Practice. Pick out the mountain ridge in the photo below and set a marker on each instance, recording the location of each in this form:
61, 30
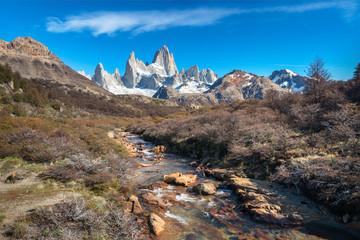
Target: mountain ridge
33, 60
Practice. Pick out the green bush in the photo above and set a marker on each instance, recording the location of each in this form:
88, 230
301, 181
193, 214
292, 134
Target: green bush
6, 75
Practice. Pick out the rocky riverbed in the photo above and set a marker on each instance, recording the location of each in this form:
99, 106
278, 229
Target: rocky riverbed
174, 201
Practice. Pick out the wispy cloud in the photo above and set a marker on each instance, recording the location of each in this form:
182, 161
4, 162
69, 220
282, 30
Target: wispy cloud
145, 21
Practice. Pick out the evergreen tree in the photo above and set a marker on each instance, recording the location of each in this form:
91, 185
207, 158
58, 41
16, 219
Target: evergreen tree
357, 73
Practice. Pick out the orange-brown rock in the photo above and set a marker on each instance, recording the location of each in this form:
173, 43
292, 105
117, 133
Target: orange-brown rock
155, 185
136, 206
205, 188
158, 149
153, 200
180, 179
145, 165
157, 224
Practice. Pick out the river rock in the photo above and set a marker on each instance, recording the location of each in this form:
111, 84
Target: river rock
136, 207
152, 199
145, 165
155, 185
206, 188
158, 149
257, 203
346, 218
156, 224
194, 164
180, 179
295, 217
220, 174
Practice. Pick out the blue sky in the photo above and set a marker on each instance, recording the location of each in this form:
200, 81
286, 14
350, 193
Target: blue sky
254, 36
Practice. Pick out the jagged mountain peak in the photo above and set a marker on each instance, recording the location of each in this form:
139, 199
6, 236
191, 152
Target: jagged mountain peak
105, 79
132, 57
163, 58
99, 67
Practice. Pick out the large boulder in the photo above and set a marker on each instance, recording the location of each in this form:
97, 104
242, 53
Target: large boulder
206, 188
152, 199
180, 179
156, 224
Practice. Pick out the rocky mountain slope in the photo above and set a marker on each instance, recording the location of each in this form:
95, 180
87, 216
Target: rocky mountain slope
32, 59
146, 79
290, 80
237, 85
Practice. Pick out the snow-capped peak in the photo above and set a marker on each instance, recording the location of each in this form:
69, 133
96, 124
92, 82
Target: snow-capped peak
289, 79
291, 73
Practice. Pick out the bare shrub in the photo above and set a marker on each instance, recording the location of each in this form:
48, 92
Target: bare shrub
332, 181
80, 218
36, 147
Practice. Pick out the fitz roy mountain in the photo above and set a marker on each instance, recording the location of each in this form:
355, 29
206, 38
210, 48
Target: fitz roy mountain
146, 79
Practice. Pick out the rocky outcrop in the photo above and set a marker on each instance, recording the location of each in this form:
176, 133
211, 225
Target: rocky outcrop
180, 179
205, 188
27, 46
157, 224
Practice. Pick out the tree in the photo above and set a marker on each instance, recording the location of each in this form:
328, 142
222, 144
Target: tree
357, 73
317, 70
319, 75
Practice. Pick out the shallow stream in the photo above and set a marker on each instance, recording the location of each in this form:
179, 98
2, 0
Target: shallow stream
208, 217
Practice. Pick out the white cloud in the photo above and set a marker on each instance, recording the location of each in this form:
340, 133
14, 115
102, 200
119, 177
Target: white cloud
137, 22
145, 21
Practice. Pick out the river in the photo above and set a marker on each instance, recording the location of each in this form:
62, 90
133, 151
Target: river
191, 217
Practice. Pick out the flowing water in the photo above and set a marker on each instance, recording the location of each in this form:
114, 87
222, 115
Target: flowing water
203, 217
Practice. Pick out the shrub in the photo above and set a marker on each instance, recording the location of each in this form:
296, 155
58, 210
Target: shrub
80, 218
